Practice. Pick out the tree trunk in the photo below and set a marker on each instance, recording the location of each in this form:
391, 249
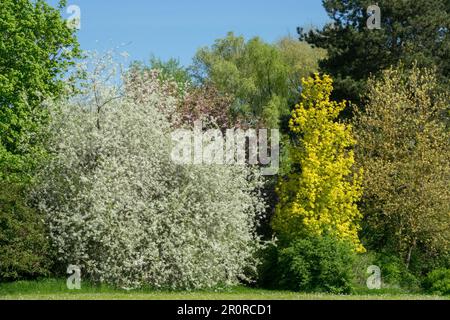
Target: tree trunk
408, 258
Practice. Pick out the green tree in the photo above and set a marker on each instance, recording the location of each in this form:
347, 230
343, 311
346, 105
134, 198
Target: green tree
170, 70
302, 60
404, 149
23, 244
36, 48
411, 30
263, 78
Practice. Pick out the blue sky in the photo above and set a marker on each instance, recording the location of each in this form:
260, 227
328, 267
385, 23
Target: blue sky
177, 28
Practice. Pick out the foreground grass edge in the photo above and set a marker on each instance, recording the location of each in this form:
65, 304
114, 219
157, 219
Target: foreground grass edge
55, 289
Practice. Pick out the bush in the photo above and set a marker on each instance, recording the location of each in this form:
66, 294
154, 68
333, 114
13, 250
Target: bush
23, 243
438, 282
395, 274
126, 214
321, 264
267, 271
360, 264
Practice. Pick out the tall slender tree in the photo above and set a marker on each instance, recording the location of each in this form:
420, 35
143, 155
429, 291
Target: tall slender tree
319, 195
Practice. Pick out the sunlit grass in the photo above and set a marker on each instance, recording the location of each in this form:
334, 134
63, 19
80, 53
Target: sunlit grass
54, 289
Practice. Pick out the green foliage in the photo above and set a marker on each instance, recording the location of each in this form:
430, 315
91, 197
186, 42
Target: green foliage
24, 247
360, 264
263, 78
319, 195
403, 148
395, 274
36, 48
438, 282
170, 70
268, 274
319, 264
411, 30
302, 60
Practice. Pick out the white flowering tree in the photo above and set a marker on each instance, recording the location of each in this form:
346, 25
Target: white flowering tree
120, 209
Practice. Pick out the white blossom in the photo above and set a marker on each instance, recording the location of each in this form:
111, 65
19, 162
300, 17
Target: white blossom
118, 207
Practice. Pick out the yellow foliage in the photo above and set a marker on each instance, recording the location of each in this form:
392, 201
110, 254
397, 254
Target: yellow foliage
320, 196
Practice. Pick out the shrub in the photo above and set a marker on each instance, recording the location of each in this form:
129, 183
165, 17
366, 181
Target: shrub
438, 282
316, 264
268, 269
360, 265
23, 243
120, 209
394, 272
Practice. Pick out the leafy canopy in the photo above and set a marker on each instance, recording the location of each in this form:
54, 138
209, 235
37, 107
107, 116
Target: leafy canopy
262, 77
36, 48
403, 147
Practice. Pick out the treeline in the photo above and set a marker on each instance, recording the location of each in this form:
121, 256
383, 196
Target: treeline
86, 176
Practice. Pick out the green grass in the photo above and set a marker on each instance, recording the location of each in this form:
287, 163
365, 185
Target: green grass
53, 289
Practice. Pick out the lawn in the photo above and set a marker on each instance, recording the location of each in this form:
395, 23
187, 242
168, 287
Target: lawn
56, 290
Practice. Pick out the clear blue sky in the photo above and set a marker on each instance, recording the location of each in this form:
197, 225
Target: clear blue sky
176, 28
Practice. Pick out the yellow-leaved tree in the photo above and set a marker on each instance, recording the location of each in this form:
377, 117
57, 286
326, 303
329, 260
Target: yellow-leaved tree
319, 194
